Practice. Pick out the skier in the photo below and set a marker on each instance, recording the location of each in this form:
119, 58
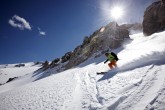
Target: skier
112, 57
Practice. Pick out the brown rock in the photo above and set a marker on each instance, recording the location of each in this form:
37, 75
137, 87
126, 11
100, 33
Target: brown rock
154, 18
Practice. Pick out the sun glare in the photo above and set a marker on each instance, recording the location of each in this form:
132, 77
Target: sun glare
116, 12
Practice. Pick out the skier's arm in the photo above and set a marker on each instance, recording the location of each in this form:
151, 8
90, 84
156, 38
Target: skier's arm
106, 61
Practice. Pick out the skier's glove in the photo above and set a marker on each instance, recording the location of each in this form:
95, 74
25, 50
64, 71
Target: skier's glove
106, 61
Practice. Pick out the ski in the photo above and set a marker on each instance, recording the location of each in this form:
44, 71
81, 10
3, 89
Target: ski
101, 73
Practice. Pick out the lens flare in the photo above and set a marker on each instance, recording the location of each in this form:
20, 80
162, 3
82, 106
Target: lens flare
117, 12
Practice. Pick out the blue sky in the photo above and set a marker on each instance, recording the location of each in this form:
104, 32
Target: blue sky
39, 30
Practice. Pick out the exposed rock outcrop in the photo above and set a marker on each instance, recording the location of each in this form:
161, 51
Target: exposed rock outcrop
133, 28
11, 79
45, 65
20, 65
54, 62
66, 57
154, 18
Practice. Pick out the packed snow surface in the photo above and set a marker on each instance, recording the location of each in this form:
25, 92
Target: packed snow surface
137, 84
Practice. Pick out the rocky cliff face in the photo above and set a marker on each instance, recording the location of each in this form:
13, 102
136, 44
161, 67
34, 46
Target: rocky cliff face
110, 36
107, 37
154, 18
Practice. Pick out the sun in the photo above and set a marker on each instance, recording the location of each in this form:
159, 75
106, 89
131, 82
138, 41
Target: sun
116, 12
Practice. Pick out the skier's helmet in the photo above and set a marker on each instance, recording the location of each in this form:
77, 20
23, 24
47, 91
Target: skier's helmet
106, 54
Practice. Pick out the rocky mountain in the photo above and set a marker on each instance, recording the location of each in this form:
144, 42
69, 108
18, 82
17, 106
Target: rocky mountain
154, 18
107, 37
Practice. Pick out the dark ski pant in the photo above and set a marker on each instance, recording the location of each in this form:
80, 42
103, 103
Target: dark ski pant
112, 64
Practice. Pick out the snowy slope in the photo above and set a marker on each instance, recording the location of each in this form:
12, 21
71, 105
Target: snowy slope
137, 84
11, 71
18, 73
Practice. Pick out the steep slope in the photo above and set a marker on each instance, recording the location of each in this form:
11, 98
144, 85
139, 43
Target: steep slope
137, 84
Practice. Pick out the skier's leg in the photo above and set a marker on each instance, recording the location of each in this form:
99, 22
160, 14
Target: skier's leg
114, 63
110, 65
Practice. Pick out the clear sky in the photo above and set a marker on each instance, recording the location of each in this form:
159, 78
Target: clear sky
39, 30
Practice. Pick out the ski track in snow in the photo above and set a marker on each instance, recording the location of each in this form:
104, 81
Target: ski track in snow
158, 102
140, 86
148, 87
